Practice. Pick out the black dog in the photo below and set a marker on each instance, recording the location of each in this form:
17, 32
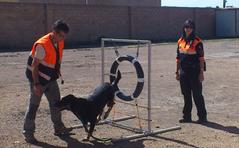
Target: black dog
88, 109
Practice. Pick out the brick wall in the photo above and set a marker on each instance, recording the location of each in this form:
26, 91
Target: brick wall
22, 24
152, 3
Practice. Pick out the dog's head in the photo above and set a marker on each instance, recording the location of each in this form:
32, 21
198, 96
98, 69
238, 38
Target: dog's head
110, 101
65, 102
110, 97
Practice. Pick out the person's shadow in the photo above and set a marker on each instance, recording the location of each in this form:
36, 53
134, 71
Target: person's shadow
175, 141
209, 124
71, 143
229, 129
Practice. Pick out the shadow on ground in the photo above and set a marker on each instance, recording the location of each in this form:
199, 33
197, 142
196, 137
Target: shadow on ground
217, 126
73, 143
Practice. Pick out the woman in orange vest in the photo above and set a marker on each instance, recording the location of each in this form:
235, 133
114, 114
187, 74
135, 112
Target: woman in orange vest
43, 69
190, 72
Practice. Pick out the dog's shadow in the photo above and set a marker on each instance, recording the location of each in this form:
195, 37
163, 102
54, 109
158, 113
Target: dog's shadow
46, 145
72, 142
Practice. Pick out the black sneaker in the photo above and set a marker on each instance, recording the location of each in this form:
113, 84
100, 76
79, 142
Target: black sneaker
202, 120
185, 120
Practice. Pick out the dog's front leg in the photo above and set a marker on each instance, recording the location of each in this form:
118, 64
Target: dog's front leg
86, 128
92, 126
99, 117
107, 112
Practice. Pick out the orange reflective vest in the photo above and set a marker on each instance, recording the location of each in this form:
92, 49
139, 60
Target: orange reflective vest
47, 67
187, 53
188, 48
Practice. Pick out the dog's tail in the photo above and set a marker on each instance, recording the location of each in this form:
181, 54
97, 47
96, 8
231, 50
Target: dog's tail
118, 77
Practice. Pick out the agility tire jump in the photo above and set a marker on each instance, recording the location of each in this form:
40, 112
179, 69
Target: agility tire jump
140, 77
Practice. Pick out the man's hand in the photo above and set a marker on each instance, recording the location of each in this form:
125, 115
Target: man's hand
201, 77
37, 89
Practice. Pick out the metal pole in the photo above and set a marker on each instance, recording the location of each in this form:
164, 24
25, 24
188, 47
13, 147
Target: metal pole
224, 3
108, 121
122, 126
102, 61
149, 87
147, 134
126, 40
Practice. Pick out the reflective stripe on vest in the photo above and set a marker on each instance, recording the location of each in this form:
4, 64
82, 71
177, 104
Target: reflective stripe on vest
188, 48
40, 73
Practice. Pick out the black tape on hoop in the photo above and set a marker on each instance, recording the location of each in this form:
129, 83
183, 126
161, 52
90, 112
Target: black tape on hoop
140, 77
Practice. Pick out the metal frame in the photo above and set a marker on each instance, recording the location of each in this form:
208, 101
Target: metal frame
142, 133
149, 67
139, 132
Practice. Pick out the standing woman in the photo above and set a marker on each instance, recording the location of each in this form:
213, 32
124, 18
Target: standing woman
189, 71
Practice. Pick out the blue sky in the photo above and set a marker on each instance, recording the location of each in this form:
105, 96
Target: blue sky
199, 3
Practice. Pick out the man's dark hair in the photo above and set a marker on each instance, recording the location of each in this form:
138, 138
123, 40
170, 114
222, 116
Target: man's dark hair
60, 25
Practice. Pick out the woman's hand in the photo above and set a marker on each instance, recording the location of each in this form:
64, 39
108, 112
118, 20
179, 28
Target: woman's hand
201, 77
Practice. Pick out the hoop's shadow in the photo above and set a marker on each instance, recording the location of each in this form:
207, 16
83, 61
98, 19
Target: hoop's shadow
73, 143
175, 141
229, 129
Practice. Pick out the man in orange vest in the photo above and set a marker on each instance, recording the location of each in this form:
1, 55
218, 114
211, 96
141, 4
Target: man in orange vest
43, 69
189, 71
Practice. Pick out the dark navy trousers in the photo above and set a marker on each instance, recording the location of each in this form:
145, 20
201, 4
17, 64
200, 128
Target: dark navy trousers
191, 87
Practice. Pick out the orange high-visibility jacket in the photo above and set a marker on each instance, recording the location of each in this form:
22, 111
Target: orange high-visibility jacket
189, 48
188, 55
47, 67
